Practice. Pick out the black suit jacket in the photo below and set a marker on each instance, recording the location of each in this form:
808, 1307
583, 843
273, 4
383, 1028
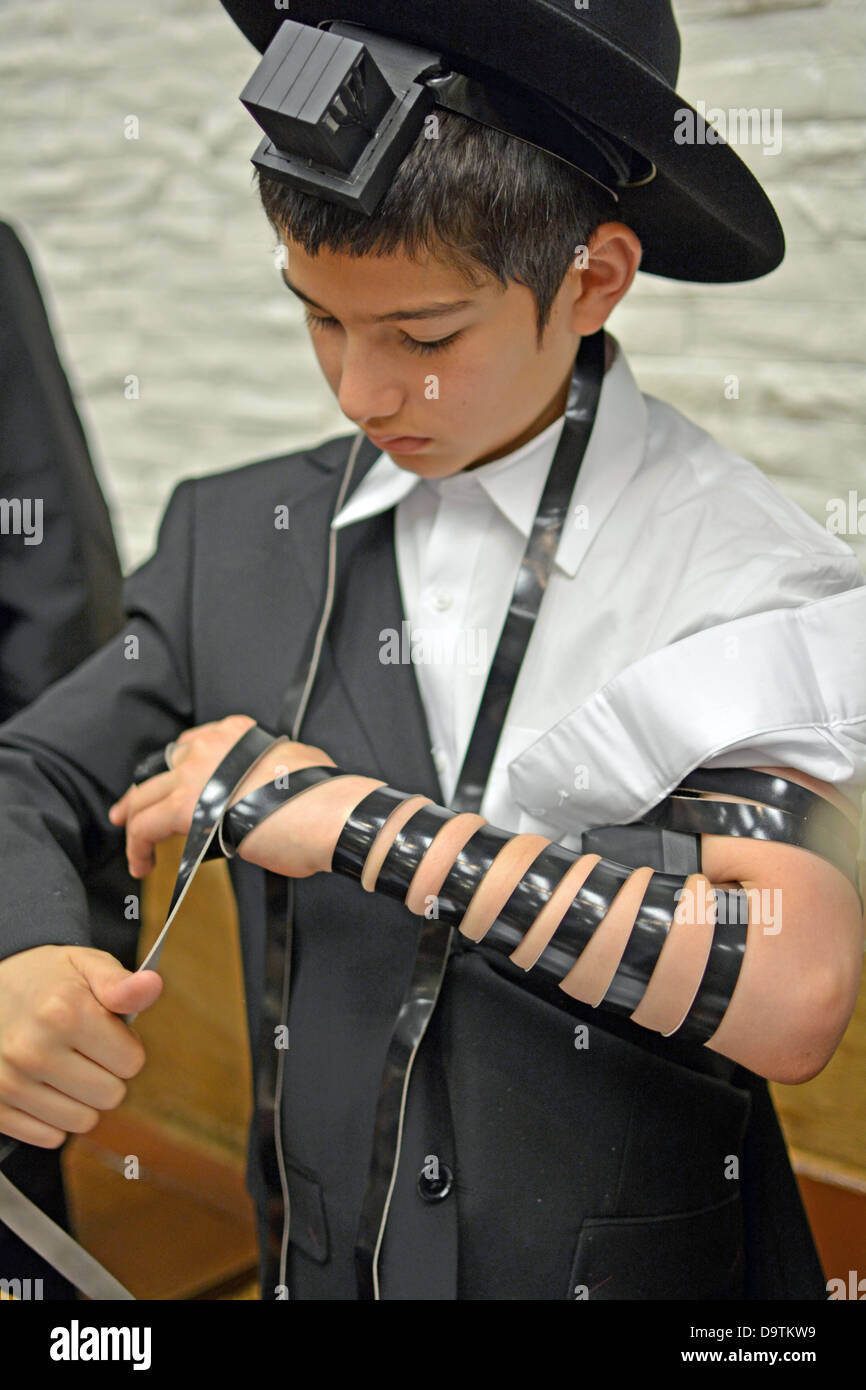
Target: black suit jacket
604, 1169
59, 601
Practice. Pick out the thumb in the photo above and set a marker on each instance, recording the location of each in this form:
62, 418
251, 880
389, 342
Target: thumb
119, 990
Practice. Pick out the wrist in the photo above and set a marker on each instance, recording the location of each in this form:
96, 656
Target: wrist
271, 769
298, 840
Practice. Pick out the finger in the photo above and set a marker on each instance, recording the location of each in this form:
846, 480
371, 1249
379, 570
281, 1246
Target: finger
140, 794
195, 731
101, 1036
129, 994
43, 1102
145, 793
117, 812
138, 798
29, 1131
80, 1079
146, 829
152, 792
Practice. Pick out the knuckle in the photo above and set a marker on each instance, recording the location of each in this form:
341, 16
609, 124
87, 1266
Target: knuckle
57, 1012
34, 1061
9, 1046
19, 1051
85, 1122
133, 1066
118, 1095
10, 1091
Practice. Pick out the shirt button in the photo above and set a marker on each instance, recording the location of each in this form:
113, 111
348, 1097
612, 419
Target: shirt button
435, 1189
442, 600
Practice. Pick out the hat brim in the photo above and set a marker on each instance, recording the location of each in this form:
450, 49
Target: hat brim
703, 217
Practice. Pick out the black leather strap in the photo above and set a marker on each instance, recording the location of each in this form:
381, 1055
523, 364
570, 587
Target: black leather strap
593, 899
469, 867
436, 936
534, 574
240, 760
795, 815
362, 826
588, 908
722, 969
765, 787
527, 899
263, 801
654, 920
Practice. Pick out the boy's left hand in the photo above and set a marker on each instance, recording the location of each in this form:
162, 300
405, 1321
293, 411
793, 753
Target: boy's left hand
163, 805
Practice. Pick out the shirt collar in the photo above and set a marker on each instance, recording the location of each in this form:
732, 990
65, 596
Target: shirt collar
514, 483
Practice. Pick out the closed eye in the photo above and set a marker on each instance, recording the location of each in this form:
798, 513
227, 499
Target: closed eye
315, 322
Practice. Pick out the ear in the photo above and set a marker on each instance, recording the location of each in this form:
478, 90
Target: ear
614, 254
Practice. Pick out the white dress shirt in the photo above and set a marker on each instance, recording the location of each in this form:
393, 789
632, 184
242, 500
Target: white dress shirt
694, 616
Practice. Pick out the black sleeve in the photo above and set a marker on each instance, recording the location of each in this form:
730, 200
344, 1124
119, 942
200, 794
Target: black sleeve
71, 753
60, 579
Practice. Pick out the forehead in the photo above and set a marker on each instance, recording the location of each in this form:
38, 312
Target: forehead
380, 276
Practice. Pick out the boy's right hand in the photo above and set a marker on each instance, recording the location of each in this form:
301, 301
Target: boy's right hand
64, 1052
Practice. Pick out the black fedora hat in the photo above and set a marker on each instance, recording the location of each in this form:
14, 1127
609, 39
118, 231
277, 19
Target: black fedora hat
609, 70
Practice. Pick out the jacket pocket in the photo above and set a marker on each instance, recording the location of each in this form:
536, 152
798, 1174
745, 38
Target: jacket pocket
307, 1229
688, 1255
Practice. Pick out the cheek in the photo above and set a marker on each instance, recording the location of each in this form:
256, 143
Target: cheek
329, 362
476, 392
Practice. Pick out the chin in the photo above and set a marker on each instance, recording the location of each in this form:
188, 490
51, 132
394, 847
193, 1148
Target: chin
416, 463
438, 469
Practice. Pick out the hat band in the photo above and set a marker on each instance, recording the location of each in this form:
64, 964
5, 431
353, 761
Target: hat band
491, 107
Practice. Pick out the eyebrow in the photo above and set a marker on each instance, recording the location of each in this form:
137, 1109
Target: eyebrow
429, 311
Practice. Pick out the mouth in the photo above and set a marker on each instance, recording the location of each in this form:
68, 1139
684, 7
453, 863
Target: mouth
400, 443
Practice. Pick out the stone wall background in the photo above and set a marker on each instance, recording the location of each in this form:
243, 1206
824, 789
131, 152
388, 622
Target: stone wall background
156, 260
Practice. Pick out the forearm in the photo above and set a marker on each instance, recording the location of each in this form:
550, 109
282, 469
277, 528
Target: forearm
674, 983
629, 940
660, 1005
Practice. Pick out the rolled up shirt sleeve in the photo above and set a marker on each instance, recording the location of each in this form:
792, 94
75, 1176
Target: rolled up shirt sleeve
71, 753
786, 687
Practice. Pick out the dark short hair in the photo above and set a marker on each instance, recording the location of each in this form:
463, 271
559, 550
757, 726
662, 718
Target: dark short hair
472, 197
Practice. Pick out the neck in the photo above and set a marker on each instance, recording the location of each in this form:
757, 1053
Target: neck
552, 411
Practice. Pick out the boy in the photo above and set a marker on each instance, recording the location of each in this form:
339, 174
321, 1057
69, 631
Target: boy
451, 1123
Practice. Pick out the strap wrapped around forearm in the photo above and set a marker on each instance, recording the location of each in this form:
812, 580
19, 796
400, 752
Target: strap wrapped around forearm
588, 908
362, 827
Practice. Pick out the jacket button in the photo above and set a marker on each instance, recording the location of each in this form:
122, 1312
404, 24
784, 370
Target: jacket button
435, 1189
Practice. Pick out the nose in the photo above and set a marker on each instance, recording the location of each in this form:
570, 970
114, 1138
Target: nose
369, 389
